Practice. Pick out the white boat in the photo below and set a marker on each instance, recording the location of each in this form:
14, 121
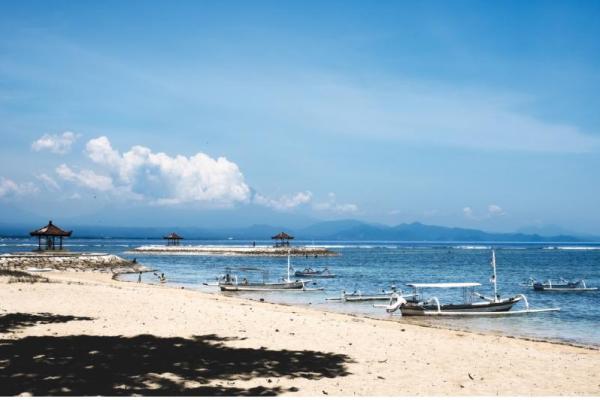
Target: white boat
231, 283
474, 304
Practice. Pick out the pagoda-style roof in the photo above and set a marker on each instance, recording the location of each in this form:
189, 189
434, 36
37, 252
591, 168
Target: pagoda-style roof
173, 236
50, 230
282, 236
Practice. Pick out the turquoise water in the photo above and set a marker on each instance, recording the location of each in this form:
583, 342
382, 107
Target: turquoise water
372, 267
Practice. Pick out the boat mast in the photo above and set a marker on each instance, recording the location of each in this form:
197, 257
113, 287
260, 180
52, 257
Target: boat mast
289, 266
494, 276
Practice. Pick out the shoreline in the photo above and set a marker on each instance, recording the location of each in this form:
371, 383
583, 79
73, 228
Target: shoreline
362, 355
412, 321
433, 325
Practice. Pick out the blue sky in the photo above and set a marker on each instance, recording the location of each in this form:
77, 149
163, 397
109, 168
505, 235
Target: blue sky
475, 114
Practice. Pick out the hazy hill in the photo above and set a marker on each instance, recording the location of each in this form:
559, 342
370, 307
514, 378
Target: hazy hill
331, 230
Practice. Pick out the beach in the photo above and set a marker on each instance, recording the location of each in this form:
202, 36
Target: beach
84, 333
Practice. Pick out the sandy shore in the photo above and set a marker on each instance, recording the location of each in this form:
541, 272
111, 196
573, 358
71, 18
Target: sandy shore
261, 251
100, 336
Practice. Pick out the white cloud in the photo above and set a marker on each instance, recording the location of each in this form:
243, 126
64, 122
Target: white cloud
48, 182
172, 179
285, 202
332, 205
9, 187
495, 210
59, 144
468, 212
430, 213
101, 152
85, 178
163, 179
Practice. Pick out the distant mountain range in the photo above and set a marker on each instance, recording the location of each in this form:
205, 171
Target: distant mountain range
326, 231
356, 230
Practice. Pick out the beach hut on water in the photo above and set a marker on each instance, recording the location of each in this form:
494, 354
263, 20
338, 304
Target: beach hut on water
51, 234
282, 239
173, 239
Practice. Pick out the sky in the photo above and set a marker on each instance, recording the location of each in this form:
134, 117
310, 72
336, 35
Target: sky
466, 113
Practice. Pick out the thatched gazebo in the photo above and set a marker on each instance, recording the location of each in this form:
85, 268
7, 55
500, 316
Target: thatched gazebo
173, 239
282, 239
50, 233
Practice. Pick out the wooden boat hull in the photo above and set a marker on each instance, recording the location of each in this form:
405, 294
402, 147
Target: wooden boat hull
261, 287
419, 309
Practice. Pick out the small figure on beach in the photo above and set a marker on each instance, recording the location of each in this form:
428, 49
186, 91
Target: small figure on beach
244, 281
253, 244
162, 278
134, 261
140, 278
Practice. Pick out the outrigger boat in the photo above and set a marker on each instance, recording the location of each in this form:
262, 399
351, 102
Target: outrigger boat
471, 306
311, 273
231, 283
562, 285
558, 285
358, 296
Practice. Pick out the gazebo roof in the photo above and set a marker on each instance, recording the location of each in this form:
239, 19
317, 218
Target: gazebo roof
173, 236
50, 230
282, 236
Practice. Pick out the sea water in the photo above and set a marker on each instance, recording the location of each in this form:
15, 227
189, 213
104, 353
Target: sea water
372, 267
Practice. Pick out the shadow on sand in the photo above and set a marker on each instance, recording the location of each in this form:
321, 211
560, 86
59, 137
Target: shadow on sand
17, 321
147, 365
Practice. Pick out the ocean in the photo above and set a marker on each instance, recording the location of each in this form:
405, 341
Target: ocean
375, 266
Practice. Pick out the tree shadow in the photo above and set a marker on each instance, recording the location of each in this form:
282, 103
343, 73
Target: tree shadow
148, 365
16, 321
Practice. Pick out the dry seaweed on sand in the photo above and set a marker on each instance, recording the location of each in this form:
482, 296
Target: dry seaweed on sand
17, 276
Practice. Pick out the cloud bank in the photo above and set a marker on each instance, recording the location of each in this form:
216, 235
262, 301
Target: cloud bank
160, 179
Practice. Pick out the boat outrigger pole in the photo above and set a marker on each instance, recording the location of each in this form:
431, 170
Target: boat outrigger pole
494, 276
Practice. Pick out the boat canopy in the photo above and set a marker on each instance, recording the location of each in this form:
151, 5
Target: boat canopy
443, 285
